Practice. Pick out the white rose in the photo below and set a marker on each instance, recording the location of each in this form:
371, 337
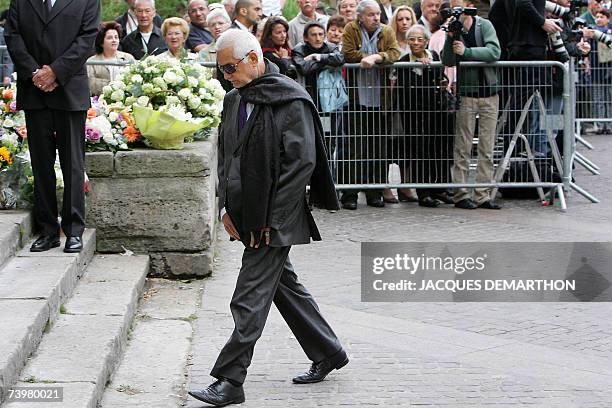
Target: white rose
184, 93
8, 123
147, 88
194, 102
137, 79
172, 100
193, 82
143, 101
170, 77
108, 138
123, 146
107, 89
113, 116
117, 95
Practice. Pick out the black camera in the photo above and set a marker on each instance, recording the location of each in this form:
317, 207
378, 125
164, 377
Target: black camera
456, 26
599, 36
566, 13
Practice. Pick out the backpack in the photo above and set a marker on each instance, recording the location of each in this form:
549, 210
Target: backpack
332, 90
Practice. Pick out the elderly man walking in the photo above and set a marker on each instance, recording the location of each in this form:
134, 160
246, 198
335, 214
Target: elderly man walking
270, 147
49, 43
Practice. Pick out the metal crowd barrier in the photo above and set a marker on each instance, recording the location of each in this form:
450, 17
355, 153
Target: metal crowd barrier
404, 116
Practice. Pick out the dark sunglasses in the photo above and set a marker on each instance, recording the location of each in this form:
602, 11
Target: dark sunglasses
231, 68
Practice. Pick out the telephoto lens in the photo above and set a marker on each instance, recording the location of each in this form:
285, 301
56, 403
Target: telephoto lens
557, 10
561, 53
603, 38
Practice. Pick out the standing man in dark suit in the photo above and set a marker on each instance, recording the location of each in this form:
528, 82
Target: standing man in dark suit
270, 147
386, 11
129, 22
49, 42
247, 15
147, 39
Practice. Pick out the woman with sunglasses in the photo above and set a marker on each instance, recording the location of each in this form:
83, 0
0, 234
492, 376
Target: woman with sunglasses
275, 46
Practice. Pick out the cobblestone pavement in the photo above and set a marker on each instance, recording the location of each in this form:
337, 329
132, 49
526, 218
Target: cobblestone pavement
429, 354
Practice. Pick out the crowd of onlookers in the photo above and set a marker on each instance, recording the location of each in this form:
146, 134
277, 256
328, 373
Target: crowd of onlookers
395, 112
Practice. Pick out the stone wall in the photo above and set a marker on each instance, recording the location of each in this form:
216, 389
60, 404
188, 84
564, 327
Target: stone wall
156, 202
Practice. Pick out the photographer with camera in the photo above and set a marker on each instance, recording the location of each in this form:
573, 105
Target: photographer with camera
529, 30
472, 38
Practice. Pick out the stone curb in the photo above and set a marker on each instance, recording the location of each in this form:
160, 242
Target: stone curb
86, 344
15, 230
32, 288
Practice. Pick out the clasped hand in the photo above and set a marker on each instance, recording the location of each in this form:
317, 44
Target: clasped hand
264, 234
45, 79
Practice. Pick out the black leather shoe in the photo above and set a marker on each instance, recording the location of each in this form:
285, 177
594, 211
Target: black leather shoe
490, 205
318, 371
350, 205
73, 244
443, 198
220, 393
376, 202
429, 202
466, 204
45, 243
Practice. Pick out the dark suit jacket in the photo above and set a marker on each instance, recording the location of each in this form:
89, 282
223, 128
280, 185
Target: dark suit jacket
291, 216
132, 43
63, 41
383, 15
122, 20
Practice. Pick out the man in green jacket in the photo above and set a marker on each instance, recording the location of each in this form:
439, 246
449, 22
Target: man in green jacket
478, 90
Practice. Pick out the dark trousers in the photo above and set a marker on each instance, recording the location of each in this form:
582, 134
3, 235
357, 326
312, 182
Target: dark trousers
364, 152
267, 276
50, 130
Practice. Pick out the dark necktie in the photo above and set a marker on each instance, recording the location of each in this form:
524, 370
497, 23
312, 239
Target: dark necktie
242, 113
47, 6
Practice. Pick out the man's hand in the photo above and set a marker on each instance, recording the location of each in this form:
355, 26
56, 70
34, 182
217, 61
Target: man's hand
587, 33
316, 57
45, 79
229, 227
584, 47
551, 27
458, 47
264, 234
370, 61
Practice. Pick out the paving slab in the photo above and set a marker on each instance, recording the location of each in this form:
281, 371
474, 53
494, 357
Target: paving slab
153, 370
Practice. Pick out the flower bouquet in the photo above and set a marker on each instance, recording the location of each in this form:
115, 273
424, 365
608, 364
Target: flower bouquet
168, 98
109, 130
13, 148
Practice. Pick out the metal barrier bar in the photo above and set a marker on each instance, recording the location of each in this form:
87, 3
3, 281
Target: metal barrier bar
374, 131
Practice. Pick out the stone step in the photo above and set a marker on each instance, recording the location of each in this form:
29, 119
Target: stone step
83, 347
33, 286
153, 370
15, 231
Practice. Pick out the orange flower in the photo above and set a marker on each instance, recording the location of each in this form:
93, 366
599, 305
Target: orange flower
23, 132
91, 113
128, 119
131, 133
5, 155
7, 94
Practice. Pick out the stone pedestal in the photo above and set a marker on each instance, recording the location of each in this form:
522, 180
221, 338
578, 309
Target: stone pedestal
156, 202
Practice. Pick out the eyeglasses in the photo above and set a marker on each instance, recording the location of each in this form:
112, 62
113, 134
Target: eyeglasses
231, 68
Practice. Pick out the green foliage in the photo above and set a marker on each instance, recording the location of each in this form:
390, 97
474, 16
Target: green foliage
111, 9
291, 9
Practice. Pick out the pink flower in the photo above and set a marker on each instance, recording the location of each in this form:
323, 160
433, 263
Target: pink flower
13, 106
91, 134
